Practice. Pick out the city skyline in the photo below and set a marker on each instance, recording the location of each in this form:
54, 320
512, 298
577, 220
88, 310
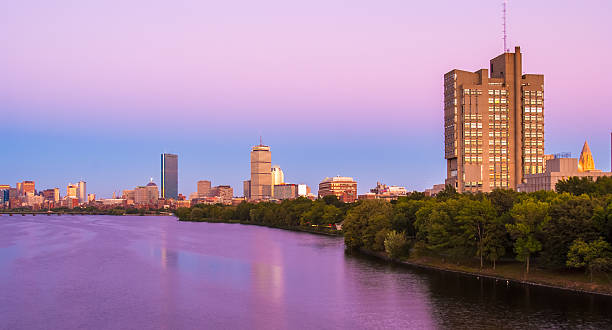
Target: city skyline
365, 91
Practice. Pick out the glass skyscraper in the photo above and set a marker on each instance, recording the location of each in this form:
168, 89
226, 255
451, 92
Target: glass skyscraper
169, 176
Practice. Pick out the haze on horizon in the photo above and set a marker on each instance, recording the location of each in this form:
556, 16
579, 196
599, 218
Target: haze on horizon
98, 89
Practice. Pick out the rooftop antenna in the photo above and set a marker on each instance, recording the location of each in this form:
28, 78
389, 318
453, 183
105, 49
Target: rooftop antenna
504, 16
260, 141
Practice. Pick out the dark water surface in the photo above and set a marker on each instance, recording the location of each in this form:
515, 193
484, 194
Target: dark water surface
132, 272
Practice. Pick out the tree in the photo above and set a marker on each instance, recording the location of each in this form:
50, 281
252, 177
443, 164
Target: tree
576, 186
481, 226
364, 222
197, 213
529, 218
395, 244
593, 256
571, 217
437, 229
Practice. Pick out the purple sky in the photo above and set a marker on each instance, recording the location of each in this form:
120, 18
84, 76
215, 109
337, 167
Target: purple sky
98, 89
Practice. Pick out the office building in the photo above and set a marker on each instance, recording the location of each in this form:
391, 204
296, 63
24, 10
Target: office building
26, 187
285, 191
261, 173
345, 188
169, 176
82, 191
145, 195
51, 195
303, 190
278, 177
203, 188
91, 198
71, 190
246, 189
493, 125
224, 193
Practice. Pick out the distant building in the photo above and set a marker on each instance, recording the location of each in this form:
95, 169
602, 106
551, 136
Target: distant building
82, 191
345, 188
558, 169
383, 191
27, 187
169, 176
278, 177
225, 193
203, 188
246, 188
261, 173
303, 190
285, 191
52, 195
493, 125
71, 190
146, 195
433, 191
91, 198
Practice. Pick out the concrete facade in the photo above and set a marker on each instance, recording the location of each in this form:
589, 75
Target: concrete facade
493, 125
557, 169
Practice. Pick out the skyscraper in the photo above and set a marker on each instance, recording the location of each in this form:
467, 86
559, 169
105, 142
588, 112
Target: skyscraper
203, 188
169, 176
82, 191
278, 177
261, 173
493, 125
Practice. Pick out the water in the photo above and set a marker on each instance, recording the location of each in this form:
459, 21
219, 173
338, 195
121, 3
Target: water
133, 272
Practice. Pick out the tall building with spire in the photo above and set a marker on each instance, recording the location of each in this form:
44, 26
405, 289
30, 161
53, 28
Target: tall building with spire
586, 162
493, 125
260, 186
169, 176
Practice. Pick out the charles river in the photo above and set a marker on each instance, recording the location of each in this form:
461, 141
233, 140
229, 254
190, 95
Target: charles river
147, 272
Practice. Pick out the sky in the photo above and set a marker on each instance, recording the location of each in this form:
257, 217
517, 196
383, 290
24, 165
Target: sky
97, 90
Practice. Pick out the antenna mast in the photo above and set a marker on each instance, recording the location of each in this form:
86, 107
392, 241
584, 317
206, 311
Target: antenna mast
504, 11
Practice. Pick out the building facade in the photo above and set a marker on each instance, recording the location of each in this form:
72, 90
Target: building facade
345, 188
557, 169
224, 193
493, 125
261, 173
203, 188
285, 191
82, 191
169, 176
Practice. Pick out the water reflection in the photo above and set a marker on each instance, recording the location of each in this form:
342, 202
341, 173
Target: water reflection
149, 272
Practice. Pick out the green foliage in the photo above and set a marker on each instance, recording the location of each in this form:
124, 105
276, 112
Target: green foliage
364, 222
593, 256
530, 217
395, 244
585, 185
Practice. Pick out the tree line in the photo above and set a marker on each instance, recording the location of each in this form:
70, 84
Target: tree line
570, 228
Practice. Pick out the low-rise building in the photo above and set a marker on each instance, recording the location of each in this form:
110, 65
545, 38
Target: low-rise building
557, 169
285, 191
345, 188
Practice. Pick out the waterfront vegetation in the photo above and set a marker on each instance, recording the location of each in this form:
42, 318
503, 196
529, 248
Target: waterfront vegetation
566, 235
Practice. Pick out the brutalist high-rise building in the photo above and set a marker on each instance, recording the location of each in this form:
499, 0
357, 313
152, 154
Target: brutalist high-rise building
260, 187
493, 125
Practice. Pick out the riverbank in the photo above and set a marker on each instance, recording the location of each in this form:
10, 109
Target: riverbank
317, 230
513, 272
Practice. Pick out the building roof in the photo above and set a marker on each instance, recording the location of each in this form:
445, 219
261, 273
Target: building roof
586, 162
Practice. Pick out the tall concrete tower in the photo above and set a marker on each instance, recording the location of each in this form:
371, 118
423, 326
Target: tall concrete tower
278, 177
493, 125
261, 173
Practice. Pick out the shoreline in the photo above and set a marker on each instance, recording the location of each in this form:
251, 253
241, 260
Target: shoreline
430, 266
294, 229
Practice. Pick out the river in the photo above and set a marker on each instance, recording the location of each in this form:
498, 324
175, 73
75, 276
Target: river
144, 272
